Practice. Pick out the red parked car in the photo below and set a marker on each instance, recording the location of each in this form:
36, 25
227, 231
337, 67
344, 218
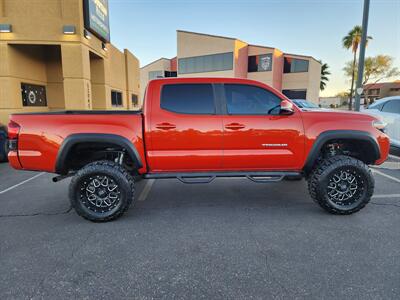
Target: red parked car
197, 129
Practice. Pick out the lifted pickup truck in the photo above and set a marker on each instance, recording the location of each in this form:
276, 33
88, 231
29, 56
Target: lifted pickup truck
197, 129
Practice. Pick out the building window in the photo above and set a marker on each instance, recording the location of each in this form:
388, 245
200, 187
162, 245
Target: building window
295, 94
295, 65
116, 98
156, 74
135, 100
170, 74
206, 63
260, 63
188, 98
250, 100
33, 95
395, 89
373, 91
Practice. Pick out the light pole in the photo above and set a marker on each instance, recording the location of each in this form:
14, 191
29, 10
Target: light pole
359, 88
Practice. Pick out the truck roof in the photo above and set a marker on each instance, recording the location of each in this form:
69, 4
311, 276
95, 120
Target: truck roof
207, 80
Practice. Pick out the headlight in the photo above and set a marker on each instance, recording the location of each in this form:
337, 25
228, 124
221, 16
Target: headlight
379, 124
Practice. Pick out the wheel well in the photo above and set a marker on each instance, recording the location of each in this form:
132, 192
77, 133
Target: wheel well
360, 149
83, 153
359, 145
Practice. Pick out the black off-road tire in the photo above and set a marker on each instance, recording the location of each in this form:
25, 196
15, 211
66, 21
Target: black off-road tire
323, 176
118, 180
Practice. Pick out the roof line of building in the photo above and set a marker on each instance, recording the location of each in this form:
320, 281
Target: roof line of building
308, 56
212, 35
260, 46
150, 63
231, 38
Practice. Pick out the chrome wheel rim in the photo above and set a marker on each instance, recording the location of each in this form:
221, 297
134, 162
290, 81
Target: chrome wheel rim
345, 187
100, 193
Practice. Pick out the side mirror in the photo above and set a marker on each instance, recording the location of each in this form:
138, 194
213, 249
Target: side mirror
286, 108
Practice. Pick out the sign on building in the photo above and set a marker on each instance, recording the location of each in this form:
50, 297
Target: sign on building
97, 18
265, 62
33, 95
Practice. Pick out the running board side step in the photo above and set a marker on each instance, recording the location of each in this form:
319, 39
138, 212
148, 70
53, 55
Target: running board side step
207, 177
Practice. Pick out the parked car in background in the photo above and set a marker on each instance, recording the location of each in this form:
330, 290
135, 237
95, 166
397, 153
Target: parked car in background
3, 143
302, 103
389, 110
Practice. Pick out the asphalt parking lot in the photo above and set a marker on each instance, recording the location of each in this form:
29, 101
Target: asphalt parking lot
229, 239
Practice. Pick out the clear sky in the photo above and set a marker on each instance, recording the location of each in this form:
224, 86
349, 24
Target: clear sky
310, 27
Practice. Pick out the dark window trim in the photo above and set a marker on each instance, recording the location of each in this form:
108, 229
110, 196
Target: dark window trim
262, 71
137, 99
197, 114
296, 90
222, 70
122, 101
225, 102
308, 66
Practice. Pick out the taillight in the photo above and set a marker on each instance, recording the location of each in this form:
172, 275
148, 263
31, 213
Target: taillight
13, 130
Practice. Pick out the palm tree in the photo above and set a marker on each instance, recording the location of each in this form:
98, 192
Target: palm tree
351, 41
324, 76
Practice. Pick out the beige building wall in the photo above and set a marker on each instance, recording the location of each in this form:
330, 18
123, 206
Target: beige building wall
77, 72
267, 76
192, 44
304, 80
162, 64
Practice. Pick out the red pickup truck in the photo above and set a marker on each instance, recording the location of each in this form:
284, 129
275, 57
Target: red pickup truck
197, 129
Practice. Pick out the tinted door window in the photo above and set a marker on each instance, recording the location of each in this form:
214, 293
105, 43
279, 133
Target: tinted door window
188, 98
250, 100
392, 106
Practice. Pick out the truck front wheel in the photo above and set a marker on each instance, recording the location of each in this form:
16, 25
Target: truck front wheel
101, 191
341, 184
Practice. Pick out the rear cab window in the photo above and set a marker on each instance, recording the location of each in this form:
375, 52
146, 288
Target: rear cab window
188, 98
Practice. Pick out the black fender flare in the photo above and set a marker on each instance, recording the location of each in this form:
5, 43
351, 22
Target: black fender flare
341, 135
78, 138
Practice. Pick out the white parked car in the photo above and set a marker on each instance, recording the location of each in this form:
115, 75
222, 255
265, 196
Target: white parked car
389, 110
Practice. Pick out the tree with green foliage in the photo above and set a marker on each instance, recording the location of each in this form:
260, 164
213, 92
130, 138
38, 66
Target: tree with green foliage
351, 41
324, 76
376, 68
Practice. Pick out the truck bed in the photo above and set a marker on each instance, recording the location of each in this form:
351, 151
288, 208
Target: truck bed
41, 135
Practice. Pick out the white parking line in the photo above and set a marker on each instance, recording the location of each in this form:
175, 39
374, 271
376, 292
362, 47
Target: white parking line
391, 165
21, 183
386, 175
146, 190
394, 157
387, 196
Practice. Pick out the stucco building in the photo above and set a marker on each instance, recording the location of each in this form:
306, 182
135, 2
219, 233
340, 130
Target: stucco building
204, 55
56, 55
374, 91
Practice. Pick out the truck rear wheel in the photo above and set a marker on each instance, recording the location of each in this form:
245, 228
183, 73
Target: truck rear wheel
341, 185
101, 191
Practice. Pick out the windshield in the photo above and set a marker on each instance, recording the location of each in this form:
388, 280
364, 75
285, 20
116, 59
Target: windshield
305, 104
